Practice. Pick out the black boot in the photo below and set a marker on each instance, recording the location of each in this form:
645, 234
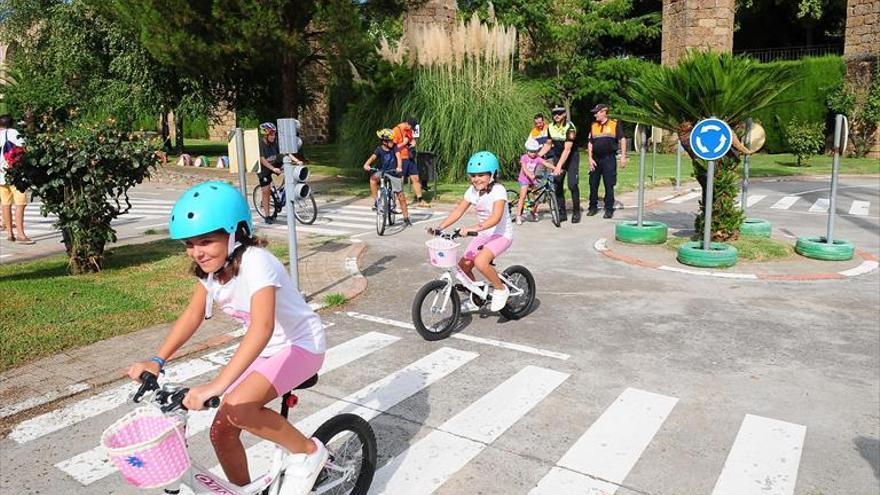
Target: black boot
576, 216
562, 216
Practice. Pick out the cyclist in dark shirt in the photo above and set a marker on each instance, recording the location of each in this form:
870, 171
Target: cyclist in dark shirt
391, 164
270, 160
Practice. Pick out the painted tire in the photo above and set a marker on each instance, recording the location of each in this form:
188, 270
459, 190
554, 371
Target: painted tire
756, 227
648, 233
719, 256
817, 249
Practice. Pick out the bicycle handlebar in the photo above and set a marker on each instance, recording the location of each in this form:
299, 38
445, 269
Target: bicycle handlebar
169, 400
454, 235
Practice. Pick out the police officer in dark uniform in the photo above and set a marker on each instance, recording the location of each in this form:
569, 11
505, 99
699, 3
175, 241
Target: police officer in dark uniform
562, 151
606, 138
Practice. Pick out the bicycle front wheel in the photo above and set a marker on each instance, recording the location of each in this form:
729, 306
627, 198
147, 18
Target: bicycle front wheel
518, 278
352, 462
257, 200
306, 209
435, 315
554, 207
381, 215
391, 206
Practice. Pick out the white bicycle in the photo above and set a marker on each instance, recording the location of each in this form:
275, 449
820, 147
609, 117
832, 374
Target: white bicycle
348, 437
437, 305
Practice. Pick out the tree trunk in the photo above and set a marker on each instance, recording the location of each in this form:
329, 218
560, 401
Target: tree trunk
164, 131
289, 87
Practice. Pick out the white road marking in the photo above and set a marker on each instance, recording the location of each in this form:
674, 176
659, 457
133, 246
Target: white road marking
859, 208
820, 206
867, 266
372, 400
470, 338
603, 456
425, 466
684, 199
706, 273
43, 399
93, 465
764, 458
785, 203
755, 199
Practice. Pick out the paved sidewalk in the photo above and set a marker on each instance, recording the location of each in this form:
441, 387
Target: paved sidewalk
326, 266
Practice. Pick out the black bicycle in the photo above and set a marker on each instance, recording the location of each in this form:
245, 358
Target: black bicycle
305, 209
386, 202
543, 192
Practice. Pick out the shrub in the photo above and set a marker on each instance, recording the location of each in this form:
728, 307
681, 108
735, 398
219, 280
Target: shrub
83, 173
806, 100
804, 139
862, 108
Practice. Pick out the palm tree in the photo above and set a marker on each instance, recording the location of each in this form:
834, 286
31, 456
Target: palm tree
702, 85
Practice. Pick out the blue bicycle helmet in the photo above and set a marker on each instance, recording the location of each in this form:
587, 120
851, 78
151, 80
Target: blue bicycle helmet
208, 207
483, 162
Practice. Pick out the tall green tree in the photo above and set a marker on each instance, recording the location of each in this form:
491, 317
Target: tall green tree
258, 52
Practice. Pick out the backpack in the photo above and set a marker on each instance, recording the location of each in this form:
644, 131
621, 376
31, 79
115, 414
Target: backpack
12, 152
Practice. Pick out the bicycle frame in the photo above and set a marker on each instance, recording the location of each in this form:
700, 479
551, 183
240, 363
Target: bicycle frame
477, 288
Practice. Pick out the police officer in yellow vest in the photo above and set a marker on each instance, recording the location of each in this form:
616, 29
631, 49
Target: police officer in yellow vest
605, 139
561, 149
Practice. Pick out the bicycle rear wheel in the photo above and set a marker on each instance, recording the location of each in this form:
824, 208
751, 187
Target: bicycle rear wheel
257, 200
392, 204
381, 215
352, 462
306, 209
431, 319
520, 278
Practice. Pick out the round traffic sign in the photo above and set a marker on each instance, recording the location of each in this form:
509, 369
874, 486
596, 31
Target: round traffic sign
711, 139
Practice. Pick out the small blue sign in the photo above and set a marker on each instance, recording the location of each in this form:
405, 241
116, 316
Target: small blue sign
711, 139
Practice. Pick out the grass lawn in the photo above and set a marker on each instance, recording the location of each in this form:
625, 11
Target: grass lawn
748, 248
46, 311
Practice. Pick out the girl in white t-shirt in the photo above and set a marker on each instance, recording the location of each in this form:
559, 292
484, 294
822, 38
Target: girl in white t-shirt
282, 347
495, 231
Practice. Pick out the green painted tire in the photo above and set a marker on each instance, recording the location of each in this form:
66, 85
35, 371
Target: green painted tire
756, 227
817, 249
648, 233
719, 256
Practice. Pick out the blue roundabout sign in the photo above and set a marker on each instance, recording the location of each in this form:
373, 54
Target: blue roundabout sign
711, 139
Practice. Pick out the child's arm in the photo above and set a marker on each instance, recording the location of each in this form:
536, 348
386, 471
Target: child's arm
455, 214
184, 328
368, 164
255, 339
525, 170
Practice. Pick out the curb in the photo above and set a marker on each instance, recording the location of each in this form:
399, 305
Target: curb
351, 267
868, 265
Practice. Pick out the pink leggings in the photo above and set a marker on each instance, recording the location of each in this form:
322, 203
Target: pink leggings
285, 369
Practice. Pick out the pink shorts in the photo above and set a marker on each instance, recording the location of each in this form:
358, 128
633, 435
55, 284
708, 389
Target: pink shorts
525, 181
285, 369
496, 243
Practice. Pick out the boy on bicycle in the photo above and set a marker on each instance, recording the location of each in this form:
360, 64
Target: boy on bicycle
269, 157
494, 229
391, 165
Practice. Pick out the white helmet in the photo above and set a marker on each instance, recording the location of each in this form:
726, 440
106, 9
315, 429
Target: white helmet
532, 145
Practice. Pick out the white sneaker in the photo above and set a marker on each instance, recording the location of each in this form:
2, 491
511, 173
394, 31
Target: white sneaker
499, 299
301, 470
468, 306
519, 219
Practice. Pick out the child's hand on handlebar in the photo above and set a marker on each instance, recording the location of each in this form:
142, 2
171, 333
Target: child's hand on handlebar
197, 397
135, 370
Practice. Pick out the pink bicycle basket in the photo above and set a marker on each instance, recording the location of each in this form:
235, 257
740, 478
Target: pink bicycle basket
147, 447
443, 253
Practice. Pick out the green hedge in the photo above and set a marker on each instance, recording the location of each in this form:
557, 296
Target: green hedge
195, 127
805, 100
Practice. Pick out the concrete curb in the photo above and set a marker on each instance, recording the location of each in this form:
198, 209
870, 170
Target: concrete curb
868, 265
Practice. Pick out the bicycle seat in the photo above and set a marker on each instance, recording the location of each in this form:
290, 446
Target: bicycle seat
308, 383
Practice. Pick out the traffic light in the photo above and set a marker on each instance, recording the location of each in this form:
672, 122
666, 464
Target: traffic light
289, 142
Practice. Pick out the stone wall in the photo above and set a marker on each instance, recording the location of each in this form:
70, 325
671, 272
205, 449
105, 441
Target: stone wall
862, 50
700, 24
432, 12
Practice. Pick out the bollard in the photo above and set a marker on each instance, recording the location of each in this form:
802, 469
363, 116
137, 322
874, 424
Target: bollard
641, 232
289, 194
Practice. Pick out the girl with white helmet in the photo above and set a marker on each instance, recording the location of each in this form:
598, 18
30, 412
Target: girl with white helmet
284, 341
494, 229
529, 163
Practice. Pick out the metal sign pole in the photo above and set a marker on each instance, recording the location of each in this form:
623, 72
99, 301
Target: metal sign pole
744, 197
643, 141
239, 154
653, 158
678, 150
289, 192
835, 169
707, 223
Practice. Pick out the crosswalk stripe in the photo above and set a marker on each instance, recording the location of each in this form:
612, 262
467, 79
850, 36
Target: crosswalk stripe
93, 465
859, 207
461, 438
755, 199
684, 199
785, 203
603, 456
88, 408
820, 206
372, 400
764, 458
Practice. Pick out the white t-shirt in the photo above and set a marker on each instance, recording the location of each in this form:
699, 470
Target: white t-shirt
295, 322
11, 135
484, 205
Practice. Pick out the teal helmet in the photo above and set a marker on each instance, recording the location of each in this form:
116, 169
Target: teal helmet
208, 207
483, 162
